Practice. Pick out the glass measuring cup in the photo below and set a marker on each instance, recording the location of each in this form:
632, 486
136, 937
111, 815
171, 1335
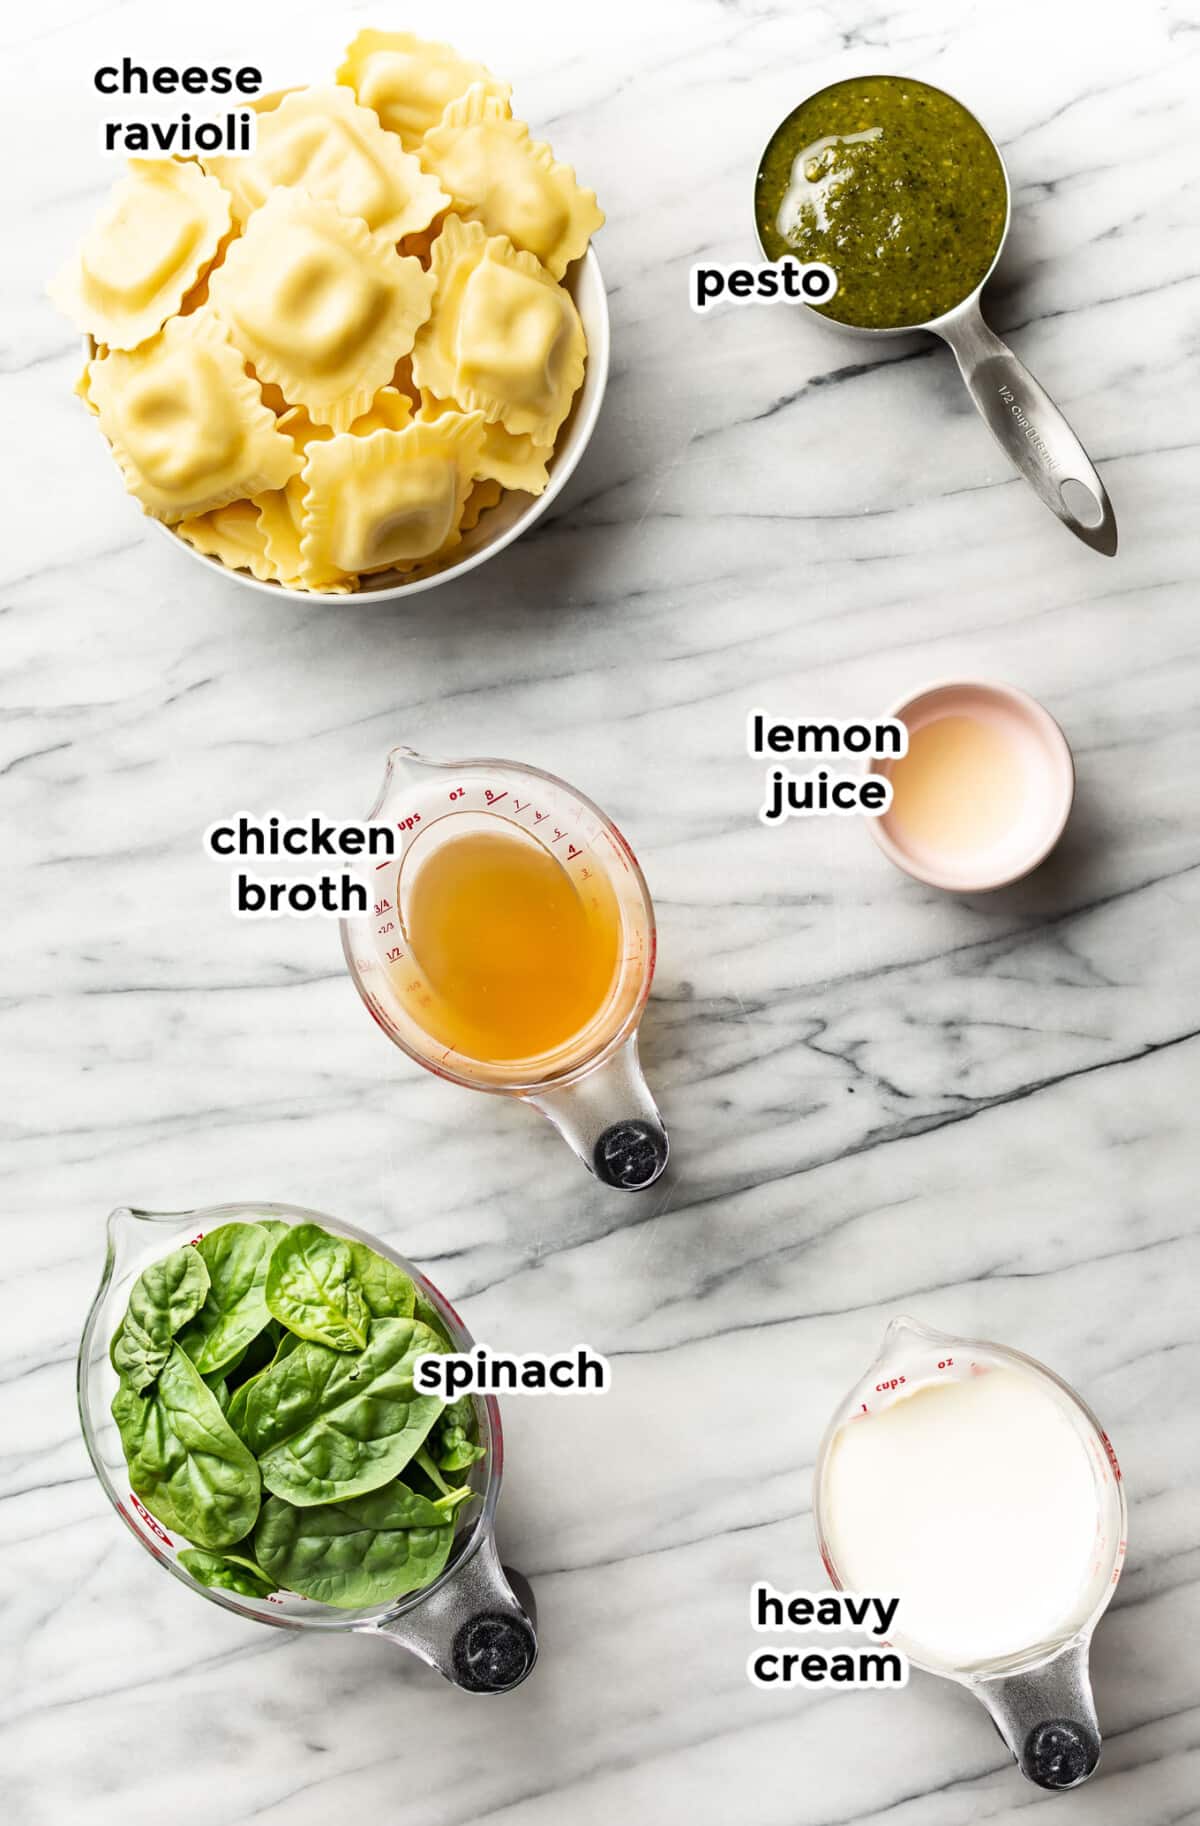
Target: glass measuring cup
1026, 423
591, 1088
470, 1624
1040, 1697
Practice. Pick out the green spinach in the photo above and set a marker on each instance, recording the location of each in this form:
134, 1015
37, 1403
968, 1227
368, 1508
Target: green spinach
185, 1461
279, 1355
235, 1307
163, 1298
326, 1425
312, 1289
227, 1572
351, 1554
386, 1289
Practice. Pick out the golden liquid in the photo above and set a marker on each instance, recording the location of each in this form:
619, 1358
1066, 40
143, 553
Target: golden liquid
960, 787
516, 958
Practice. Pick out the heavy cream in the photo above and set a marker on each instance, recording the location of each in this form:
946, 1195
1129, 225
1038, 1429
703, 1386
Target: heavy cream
975, 1503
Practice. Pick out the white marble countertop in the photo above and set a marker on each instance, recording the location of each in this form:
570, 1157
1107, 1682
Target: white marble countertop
881, 1100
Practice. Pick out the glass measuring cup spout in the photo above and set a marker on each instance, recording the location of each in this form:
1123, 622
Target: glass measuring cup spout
524, 969
969, 1482
476, 1624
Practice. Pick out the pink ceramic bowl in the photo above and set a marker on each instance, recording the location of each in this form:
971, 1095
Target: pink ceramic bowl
1044, 788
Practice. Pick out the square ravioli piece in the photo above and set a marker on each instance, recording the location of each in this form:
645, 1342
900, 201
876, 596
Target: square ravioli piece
234, 535
319, 305
151, 243
321, 141
505, 339
187, 424
506, 459
496, 174
392, 499
410, 82
282, 509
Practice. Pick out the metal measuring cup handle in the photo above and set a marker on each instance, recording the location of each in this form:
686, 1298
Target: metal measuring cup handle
1047, 1717
478, 1628
611, 1121
1029, 427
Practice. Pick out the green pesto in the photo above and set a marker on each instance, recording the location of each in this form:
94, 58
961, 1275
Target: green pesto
909, 215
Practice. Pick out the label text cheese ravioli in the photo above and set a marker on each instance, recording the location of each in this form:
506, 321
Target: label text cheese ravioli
186, 422
409, 82
320, 305
149, 246
496, 174
320, 140
505, 339
393, 498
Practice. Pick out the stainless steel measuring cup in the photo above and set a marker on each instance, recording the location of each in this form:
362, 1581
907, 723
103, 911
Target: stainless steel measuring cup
476, 1624
1040, 1699
592, 1088
1016, 408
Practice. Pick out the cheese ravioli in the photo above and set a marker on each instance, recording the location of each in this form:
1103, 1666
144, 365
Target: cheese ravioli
409, 82
151, 243
187, 424
392, 499
496, 174
505, 339
321, 141
319, 305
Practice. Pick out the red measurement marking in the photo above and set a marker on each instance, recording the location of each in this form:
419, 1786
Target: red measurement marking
395, 955
149, 1520
539, 816
519, 806
572, 852
494, 798
558, 835
382, 906
458, 792
382, 865
585, 874
1112, 1457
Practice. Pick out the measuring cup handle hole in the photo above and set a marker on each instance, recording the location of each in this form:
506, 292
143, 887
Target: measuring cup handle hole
1060, 1752
630, 1155
493, 1652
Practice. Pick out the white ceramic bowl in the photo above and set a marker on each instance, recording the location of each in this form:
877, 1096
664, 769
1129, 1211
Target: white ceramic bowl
516, 512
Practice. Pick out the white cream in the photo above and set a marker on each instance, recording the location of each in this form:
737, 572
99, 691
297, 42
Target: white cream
974, 1502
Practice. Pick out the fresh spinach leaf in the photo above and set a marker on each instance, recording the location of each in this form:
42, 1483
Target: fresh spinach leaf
235, 1308
185, 1461
164, 1297
452, 1447
325, 1425
312, 1289
446, 1498
355, 1553
241, 1394
387, 1290
227, 1572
